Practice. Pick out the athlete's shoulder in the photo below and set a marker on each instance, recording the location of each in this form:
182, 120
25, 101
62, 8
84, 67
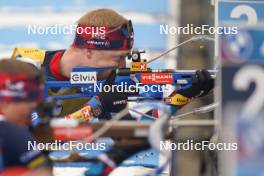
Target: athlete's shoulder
12, 130
15, 147
50, 54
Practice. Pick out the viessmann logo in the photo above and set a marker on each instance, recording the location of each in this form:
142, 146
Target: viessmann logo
83, 77
156, 78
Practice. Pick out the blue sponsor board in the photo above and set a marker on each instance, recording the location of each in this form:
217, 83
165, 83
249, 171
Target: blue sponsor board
242, 104
240, 12
245, 46
242, 98
251, 169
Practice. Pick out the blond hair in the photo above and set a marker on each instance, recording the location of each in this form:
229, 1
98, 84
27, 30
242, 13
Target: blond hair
102, 17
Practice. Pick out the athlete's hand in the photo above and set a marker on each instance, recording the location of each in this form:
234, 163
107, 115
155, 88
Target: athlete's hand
112, 101
103, 104
202, 83
108, 102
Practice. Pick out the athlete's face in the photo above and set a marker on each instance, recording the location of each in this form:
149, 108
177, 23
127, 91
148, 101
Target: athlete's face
105, 58
18, 112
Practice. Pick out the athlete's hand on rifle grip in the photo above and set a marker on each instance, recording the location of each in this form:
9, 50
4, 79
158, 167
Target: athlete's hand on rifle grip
202, 83
112, 101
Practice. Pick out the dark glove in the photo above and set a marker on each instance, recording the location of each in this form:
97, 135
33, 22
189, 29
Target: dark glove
202, 83
112, 101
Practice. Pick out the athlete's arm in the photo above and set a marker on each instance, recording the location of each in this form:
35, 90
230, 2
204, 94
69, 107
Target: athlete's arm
103, 104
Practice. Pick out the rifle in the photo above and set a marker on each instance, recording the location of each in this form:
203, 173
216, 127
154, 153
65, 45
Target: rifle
139, 81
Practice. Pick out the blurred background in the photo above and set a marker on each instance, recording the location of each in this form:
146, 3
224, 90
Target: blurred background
147, 16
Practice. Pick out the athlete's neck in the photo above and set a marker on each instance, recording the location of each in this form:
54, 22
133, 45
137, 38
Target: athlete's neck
65, 64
